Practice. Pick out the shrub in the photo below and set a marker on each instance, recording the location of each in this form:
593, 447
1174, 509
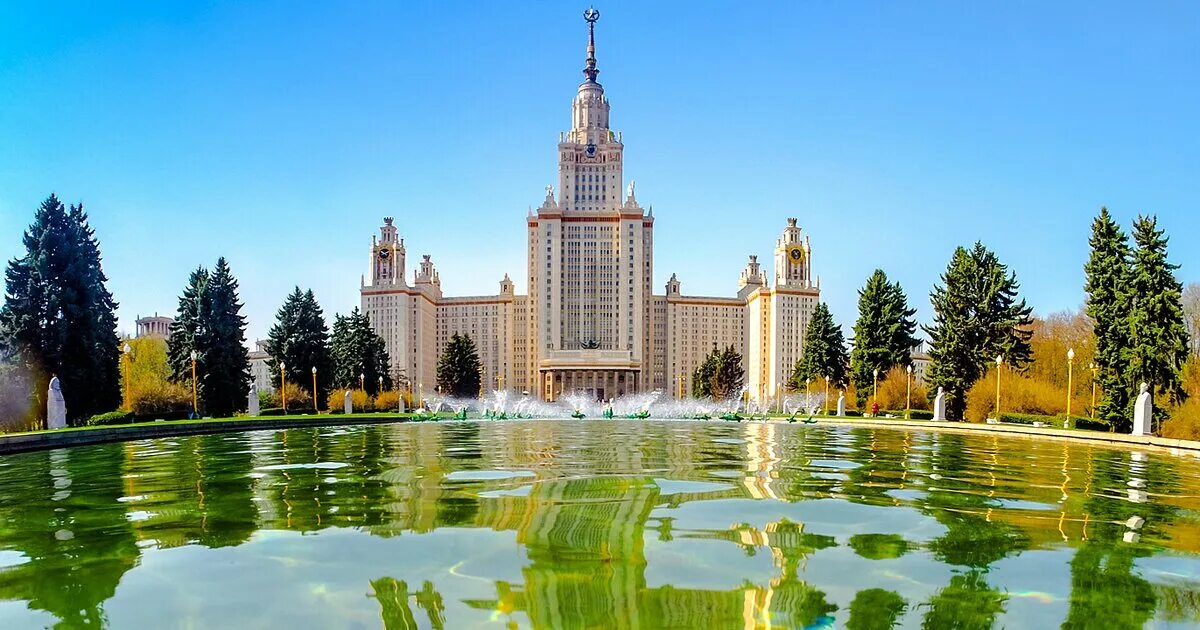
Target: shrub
853, 413
893, 390
920, 414
1184, 421
387, 401
156, 399
110, 418
299, 400
361, 401
1019, 394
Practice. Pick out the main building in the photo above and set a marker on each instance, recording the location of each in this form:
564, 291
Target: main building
589, 320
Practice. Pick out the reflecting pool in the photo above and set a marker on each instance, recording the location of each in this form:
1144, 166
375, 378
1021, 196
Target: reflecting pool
590, 524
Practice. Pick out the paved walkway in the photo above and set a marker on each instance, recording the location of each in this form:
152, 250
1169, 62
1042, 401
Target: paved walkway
78, 437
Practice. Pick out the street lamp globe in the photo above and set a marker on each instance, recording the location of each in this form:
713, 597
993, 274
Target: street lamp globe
193, 355
999, 359
1070, 354
314, 369
127, 349
909, 369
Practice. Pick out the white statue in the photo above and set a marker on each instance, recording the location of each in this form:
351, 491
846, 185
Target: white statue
939, 406
56, 406
347, 404
841, 404
1143, 412
252, 401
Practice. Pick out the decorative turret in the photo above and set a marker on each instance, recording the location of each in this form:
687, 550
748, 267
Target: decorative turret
752, 278
673, 286
506, 286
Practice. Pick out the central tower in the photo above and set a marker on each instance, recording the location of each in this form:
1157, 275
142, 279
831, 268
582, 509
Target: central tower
590, 259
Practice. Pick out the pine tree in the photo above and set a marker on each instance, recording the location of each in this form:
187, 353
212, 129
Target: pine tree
1109, 274
884, 333
357, 350
458, 369
188, 328
59, 317
977, 316
720, 375
1157, 332
824, 352
226, 377
300, 340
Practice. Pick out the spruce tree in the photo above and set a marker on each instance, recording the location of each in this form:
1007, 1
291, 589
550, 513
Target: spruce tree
720, 375
356, 349
1157, 332
300, 339
188, 328
1109, 274
226, 376
824, 352
458, 369
59, 317
977, 316
884, 333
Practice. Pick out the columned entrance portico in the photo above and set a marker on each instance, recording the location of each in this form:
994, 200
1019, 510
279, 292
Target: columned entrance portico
596, 384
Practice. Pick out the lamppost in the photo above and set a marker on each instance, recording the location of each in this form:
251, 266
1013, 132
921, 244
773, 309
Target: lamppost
283, 387
315, 409
1092, 366
195, 407
380, 385
362, 381
875, 386
127, 351
908, 392
1070, 383
999, 362
421, 395
826, 395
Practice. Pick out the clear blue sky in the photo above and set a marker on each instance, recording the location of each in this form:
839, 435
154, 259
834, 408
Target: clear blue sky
278, 133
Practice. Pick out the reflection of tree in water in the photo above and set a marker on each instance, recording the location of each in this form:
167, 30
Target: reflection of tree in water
77, 541
876, 609
967, 602
972, 539
1103, 583
393, 596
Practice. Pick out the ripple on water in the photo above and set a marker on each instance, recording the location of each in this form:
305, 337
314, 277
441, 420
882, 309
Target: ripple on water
316, 466
667, 487
487, 475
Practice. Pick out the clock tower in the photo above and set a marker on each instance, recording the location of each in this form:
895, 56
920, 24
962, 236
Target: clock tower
387, 256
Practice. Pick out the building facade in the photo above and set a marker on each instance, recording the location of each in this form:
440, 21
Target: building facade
589, 320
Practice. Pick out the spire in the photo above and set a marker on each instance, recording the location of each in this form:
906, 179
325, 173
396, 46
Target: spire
590, 16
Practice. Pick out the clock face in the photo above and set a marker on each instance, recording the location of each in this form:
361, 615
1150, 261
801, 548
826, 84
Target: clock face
795, 254
591, 150
383, 254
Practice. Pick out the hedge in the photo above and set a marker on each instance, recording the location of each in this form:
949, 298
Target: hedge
1077, 422
110, 418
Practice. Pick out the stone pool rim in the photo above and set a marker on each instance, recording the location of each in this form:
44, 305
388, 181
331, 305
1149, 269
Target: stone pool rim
63, 438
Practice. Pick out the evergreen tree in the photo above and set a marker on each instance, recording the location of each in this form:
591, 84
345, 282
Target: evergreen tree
226, 376
824, 352
884, 333
977, 316
1109, 274
720, 376
300, 339
59, 317
188, 327
357, 350
458, 369
1157, 332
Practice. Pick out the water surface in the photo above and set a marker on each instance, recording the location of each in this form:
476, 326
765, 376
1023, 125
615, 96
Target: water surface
588, 524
